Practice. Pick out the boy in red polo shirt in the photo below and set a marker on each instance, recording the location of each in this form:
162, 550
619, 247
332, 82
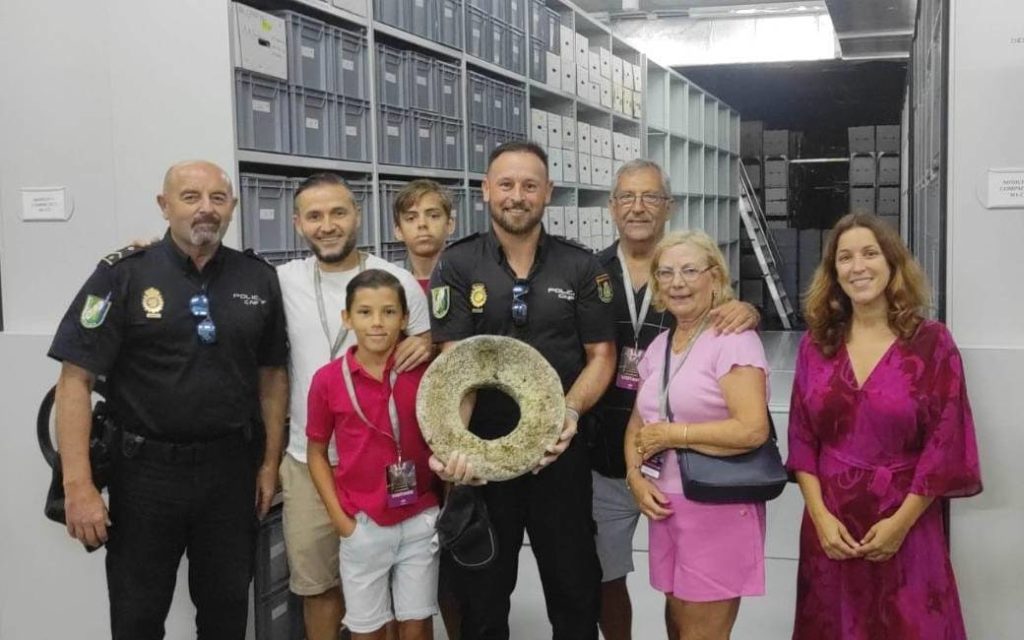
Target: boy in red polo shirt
382, 497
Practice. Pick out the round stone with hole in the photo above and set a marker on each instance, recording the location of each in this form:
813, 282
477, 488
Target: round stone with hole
501, 363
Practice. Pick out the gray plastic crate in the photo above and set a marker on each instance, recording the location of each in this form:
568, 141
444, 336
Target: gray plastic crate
861, 139
539, 21
362, 192
266, 203
776, 173
862, 200
387, 190
553, 30
517, 14
450, 144
538, 60
478, 33
480, 144
392, 77
449, 89
394, 144
352, 137
889, 170
422, 21
261, 113
426, 129
351, 64
395, 253
271, 570
422, 84
450, 19
310, 48
458, 195
516, 50
515, 110
862, 170
499, 43
313, 116
391, 12
496, 104
888, 201
482, 5
477, 218
887, 138
278, 616
478, 92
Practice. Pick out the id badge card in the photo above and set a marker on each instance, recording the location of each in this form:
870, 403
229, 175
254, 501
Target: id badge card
651, 467
401, 478
628, 375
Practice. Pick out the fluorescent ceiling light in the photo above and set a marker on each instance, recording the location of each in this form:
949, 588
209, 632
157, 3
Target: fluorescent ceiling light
764, 9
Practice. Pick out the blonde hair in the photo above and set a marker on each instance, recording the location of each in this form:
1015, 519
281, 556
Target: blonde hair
716, 262
827, 308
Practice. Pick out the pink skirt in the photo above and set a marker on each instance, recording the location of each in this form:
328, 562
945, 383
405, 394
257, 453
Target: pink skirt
708, 552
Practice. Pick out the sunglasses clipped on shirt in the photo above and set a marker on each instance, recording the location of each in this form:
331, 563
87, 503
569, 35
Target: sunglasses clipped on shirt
520, 288
206, 330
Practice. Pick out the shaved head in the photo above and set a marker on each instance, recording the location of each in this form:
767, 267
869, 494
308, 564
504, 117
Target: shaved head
185, 166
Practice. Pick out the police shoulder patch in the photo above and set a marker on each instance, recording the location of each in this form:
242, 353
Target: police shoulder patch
604, 288
94, 311
440, 301
114, 257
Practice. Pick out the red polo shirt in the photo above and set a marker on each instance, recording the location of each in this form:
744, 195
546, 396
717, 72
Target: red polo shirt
365, 451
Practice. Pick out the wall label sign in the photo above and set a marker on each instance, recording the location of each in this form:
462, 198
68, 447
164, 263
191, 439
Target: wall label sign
1005, 189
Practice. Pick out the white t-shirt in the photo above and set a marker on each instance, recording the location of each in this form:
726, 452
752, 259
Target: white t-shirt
310, 348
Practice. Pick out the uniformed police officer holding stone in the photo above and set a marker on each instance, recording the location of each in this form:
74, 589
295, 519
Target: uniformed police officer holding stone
190, 336
554, 295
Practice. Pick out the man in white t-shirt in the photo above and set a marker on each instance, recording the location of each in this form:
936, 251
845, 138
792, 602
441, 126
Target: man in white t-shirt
328, 218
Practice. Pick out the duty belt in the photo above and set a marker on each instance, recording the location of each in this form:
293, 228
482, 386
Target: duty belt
136, 446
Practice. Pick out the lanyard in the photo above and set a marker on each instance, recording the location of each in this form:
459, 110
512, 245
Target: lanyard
392, 409
635, 319
339, 339
666, 412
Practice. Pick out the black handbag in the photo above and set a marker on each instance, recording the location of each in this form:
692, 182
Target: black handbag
101, 449
754, 476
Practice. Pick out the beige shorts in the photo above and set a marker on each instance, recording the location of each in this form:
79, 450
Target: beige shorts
310, 539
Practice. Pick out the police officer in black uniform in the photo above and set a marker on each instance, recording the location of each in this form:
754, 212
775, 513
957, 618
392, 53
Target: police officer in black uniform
553, 294
191, 338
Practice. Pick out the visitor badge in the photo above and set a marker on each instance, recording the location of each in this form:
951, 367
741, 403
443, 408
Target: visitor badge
401, 483
651, 467
628, 375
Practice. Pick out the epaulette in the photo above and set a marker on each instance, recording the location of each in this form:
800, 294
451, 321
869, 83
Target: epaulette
465, 239
572, 243
117, 256
252, 253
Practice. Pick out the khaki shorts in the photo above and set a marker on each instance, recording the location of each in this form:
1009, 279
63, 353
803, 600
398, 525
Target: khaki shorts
310, 539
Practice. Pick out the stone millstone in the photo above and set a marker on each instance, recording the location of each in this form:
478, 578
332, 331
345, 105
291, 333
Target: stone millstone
510, 366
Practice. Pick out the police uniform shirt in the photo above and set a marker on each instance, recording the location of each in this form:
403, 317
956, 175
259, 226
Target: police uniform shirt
133, 323
615, 406
568, 306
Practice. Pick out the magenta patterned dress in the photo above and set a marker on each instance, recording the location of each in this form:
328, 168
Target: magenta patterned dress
907, 430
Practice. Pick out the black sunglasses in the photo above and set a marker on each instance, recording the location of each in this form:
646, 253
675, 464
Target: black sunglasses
199, 305
519, 290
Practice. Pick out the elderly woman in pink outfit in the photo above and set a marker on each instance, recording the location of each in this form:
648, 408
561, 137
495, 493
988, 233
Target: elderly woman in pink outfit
712, 398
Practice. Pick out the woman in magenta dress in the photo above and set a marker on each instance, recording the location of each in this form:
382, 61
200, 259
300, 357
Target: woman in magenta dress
880, 427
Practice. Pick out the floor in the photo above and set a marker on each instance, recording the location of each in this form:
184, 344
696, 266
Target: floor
766, 618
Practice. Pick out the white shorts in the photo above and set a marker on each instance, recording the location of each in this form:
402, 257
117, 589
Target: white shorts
385, 565
616, 515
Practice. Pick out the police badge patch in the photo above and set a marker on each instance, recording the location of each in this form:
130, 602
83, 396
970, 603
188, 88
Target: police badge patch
94, 311
440, 298
477, 297
604, 288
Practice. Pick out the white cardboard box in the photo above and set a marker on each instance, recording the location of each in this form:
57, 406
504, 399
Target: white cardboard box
582, 49
627, 102
556, 221
584, 228
554, 70
606, 62
594, 64
617, 98
601, 172
595, 140
259, 41
627, 75
539, 126
554, 131
568, 45
554, 164
637, 98
568, 77
594, 94
607, 228
570, 167
605, 138
638, 80
636, 148
606, 92
597, 228
572, 222
617, 70
619, 145
583, 137
583, 166
582, 84
568, 132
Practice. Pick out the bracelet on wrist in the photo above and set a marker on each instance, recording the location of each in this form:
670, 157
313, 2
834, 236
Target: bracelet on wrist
572, 412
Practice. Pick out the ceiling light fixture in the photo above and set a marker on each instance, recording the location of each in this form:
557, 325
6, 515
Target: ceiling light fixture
761, 10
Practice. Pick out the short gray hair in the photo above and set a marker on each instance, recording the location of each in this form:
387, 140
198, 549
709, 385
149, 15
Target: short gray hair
640, 164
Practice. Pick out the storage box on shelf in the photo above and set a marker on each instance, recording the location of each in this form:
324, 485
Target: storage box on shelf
262, 116
436, 20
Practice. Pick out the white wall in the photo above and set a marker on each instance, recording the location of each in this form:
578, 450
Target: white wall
99, 97
985, 306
